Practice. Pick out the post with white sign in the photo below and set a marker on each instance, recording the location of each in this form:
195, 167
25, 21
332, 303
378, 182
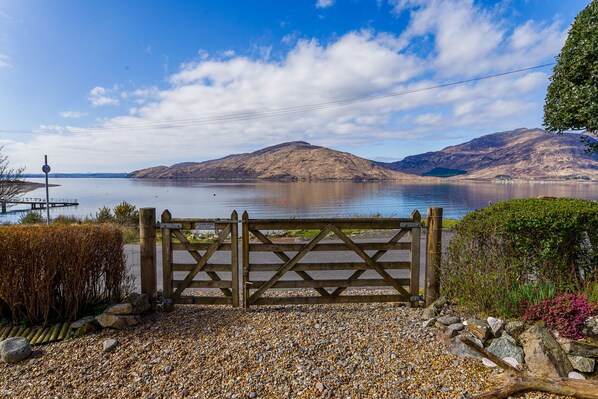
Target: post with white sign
46, 169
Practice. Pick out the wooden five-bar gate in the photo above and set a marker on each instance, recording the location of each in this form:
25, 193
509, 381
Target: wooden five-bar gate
331, 266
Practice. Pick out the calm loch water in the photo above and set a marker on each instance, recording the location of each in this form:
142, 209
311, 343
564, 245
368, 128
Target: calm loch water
294, 199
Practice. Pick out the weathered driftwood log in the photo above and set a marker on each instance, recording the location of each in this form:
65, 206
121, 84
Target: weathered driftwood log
515, 380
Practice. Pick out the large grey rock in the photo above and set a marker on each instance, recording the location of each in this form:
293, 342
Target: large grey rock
543, 355
112, 321
590, 327
456, 327
503, 347
480, 329
578, 347
119, 309
13, 350
458, 348
574, 375
140, 302
448, 320
583, 364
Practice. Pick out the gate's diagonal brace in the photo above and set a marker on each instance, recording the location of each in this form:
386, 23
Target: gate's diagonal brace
204, 260
373, 264
375, 257
197, 256
290, 264
285, 258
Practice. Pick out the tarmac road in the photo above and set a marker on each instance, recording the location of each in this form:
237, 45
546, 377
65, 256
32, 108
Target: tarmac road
133, 259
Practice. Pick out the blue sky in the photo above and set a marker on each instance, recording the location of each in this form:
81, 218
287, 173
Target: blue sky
120, 85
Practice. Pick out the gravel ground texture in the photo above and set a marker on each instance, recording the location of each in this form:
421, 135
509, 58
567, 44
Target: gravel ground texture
319, 351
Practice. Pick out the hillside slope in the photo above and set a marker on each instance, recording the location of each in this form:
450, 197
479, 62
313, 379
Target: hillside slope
530, 154
296, 160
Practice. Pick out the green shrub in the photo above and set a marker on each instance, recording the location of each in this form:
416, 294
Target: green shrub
32, 217
104, 215
58, 271
125, 214
514, 243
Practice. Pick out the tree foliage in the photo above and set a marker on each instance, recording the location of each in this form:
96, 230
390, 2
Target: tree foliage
10, 179
572, 97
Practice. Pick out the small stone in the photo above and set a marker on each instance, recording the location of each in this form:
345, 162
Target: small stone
448, 320
496, 325
429, 323
583, 364
456, 327
119, 309
479, 328
251, 395
512, 361
576, 376
488, 363
320, 387
514, 328
168, 369
15, 349
109, 345
429, 313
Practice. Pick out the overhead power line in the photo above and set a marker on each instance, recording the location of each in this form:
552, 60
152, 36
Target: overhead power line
251, 115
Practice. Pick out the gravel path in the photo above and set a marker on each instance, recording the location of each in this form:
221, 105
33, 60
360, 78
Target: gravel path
326, 351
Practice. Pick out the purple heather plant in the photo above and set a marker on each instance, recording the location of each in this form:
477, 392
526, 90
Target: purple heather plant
565, 313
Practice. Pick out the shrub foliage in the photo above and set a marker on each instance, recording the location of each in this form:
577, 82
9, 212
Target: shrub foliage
565, 313
519, 242
59, 271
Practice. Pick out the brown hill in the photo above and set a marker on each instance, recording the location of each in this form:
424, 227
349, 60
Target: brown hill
296, 160
530, 154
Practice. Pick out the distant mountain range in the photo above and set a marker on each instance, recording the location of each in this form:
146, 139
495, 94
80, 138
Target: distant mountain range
78, 175
296, 160
529, 154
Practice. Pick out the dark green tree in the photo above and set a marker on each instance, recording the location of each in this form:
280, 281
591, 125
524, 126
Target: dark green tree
572, 97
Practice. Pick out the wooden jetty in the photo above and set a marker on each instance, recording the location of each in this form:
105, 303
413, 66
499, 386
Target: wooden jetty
39, 203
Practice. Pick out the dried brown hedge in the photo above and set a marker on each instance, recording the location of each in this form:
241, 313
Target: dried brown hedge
49, 272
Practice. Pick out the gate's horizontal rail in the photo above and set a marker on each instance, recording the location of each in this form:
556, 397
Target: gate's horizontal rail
332, 266
203, 300
313, 300
203, 284
210, 267
366, 246
199, 246
331, 283
318, 224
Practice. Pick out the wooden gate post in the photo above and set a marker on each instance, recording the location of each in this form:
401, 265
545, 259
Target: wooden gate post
234, 256
147, 238
433, 254
245, 255
414, 259
166, 263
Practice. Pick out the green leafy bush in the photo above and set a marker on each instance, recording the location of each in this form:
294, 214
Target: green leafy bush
104, 215
59, 271
514, 243
126, 214
32, 217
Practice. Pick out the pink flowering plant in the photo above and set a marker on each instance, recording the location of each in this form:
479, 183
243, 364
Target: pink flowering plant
565, 313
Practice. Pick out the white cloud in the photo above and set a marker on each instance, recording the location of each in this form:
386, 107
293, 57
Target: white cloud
4, 61
100, 96
207, 108
324, 3
72, 114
